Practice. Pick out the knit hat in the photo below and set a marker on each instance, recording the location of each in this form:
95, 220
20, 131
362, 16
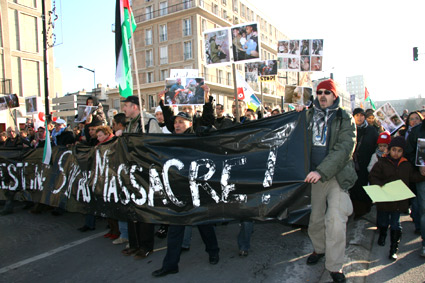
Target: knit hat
384, 137
158, 109
357, 111
399, 142
328, 85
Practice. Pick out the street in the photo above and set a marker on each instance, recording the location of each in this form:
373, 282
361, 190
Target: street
47, 248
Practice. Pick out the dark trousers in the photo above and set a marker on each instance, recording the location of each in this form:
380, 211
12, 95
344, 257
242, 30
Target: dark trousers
175, 240
141, 235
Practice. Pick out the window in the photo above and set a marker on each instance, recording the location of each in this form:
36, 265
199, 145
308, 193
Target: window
163, 55
248, 14
148, 37
187, 27
149, 13
163, 33
235, 20
203, 25
163, 75
215, 9
224, 2
224, 13
229, 78
152, 103
187, 4
14, 29
201, 3
116, 103
220, 76
163, 8
28, 33
149, 77
31, 78
149, 58
187, 50
243, 10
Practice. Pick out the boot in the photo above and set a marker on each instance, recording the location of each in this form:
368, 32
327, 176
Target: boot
395, 240
382, 236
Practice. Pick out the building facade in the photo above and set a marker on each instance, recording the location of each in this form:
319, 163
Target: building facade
169, 36
21, 57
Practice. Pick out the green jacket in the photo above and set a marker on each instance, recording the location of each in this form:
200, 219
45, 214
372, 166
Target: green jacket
338, 162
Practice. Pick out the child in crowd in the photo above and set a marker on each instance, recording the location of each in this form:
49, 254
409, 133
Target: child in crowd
390, 168
383, 142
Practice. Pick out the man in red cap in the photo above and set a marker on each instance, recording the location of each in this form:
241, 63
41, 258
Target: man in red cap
331, 139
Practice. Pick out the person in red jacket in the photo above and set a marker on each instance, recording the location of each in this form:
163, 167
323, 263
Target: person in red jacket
390, 168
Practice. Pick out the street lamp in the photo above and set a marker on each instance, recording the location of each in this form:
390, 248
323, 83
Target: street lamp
94, 74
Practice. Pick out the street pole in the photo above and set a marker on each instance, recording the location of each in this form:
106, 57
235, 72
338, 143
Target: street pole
46, 80
235, 88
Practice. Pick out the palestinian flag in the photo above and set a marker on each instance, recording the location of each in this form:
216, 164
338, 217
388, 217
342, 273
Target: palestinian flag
367, 98
47, 153
124, 28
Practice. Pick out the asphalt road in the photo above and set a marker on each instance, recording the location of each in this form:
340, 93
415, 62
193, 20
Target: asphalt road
47, 248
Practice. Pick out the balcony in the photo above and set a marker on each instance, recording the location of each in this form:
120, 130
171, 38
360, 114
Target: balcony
187, 55
163, 60
149, 62
187, 32
148, 41
165, 11
163, 37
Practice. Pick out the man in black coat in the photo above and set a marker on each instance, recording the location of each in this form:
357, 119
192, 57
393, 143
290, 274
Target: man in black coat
367, 136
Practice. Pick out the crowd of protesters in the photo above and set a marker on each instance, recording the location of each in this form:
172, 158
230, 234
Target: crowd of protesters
348, 151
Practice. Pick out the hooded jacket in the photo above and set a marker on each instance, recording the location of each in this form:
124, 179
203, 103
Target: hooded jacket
341, 140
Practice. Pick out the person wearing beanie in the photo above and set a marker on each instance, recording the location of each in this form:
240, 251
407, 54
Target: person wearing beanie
332, 132
384, 140
389, 168
367, 137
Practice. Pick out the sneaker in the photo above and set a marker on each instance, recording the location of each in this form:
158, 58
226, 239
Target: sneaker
119, 241
423, 252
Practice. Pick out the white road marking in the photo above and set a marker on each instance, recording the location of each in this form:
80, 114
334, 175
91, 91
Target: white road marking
49, 253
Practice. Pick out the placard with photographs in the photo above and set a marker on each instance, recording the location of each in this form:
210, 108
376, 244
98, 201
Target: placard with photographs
305, 55
389, 118
298, 95
31, 105
83, 113
3, 103
12, 100
217, 46
420, 153
251, 75
184, 91
245, 42
266, 68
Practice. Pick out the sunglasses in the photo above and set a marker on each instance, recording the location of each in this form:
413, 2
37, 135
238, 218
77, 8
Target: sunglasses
327, 92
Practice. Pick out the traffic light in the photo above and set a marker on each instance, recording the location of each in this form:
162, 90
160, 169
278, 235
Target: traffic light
415, 54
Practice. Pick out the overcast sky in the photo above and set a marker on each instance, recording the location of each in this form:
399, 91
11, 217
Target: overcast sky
370, 38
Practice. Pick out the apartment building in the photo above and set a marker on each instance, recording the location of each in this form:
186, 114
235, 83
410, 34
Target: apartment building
169, 36
21, 56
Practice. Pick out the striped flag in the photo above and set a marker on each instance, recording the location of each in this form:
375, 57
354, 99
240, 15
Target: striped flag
124, 28
367, 98
47, 154
246, 93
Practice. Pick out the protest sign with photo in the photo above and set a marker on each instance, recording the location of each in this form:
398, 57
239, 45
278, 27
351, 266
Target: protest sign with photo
217, 46
3, 103
389, 118
420, 153
84, 112
298, 95
12, 101
300, 55
184, 91
31, 105
245, 42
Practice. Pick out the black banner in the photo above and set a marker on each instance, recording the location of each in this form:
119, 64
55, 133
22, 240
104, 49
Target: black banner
251, 171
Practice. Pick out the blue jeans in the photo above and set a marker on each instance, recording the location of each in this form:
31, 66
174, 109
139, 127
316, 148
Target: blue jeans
384, 218
123, 226
175, 241
244, 236
420, 195
187, 237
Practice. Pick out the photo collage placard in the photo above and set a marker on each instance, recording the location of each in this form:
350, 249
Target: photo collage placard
389, 118
9, 101
298, 95
300, 55
239, 43
31, 105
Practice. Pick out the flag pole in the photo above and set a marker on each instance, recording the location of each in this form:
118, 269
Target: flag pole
235, 88
142, 120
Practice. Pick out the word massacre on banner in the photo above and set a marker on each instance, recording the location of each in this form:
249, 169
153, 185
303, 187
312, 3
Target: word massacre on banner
250, 171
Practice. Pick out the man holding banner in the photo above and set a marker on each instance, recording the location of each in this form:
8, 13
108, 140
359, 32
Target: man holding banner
331, 138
